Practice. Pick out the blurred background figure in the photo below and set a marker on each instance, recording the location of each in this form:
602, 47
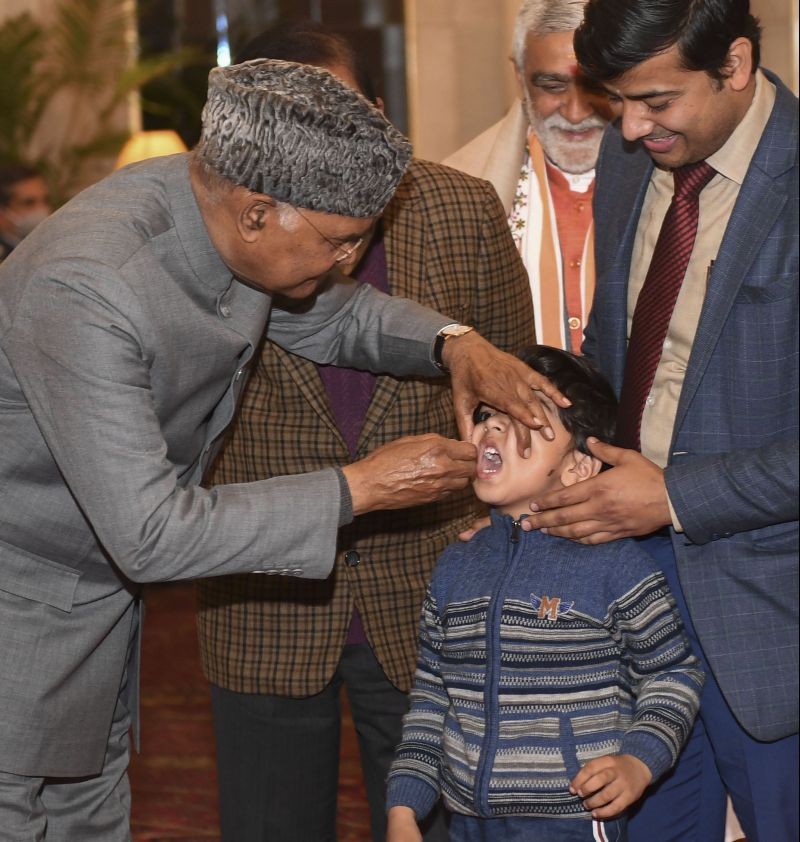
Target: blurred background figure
279, 651
24, 203
540, 158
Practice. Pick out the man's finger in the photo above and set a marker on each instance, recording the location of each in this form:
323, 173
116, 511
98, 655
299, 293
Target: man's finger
558, 509
461, 451
465, 424
523, 437
574, 521
574, 495
540, 383
584, 532
608, 453
602, 537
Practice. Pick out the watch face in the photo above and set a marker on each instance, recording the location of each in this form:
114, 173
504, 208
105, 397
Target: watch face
456, 330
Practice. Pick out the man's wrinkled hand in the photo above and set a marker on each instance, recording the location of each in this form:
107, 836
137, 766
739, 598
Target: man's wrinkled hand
481, 373
410, 471
627, 500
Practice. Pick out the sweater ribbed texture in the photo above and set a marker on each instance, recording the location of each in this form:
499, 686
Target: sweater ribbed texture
535, 657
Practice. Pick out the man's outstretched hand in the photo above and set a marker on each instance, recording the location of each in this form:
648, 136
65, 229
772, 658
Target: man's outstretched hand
410, 471
481, 373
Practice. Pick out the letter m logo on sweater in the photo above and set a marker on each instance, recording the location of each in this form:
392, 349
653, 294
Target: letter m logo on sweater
550, 607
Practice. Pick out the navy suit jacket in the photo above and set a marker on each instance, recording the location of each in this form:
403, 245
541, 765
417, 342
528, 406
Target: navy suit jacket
732, 475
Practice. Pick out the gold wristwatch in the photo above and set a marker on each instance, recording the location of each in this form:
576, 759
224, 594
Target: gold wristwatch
447, 332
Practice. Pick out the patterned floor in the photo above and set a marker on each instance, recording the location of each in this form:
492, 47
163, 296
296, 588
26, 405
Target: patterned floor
174, 778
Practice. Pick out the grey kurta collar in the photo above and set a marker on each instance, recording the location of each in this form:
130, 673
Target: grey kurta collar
201, 256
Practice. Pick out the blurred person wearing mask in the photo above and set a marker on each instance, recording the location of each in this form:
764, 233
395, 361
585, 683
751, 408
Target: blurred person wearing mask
540, 158
24, 203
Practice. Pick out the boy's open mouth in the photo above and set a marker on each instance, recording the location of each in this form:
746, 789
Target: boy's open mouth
489, 460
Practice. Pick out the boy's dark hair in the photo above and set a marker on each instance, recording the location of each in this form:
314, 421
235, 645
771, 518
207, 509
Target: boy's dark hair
11, 175
617, 35
308, 43
594, 404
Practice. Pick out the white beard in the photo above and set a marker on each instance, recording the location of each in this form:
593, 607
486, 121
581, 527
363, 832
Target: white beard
572, 156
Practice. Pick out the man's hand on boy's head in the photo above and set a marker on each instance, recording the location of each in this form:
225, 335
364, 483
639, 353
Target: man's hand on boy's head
481, 373
609, 785
627, 500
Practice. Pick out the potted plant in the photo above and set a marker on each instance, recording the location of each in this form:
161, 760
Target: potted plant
68, 91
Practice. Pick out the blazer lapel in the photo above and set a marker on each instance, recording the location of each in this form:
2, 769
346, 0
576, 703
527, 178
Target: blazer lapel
407, 279
740, 245
760, 203
629, 174
306, 377
632, 177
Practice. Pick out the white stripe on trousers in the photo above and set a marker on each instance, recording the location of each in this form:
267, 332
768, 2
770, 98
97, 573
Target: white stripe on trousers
599, 831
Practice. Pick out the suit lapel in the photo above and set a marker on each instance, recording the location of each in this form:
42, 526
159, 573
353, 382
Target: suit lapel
626, 182
740, 245
760, 203
305, 376
632, 178
407, 278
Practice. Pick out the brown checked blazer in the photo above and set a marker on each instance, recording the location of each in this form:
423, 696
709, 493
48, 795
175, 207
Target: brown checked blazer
447, 246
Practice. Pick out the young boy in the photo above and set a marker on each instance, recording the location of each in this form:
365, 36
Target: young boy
554, 681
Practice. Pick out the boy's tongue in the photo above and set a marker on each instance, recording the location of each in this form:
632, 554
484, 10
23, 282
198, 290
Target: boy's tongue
490, 460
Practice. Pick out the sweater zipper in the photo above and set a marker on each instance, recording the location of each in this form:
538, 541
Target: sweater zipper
491, 702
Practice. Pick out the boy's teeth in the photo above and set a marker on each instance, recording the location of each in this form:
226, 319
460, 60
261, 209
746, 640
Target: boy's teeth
492, 455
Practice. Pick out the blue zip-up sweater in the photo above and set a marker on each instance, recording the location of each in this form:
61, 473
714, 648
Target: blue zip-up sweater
538, 654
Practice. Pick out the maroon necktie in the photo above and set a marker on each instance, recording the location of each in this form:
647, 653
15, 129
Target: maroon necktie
657, 298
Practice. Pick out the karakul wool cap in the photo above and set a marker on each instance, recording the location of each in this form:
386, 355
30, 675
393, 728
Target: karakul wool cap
298, 134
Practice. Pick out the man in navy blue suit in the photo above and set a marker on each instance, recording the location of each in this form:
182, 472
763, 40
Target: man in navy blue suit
714, 483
